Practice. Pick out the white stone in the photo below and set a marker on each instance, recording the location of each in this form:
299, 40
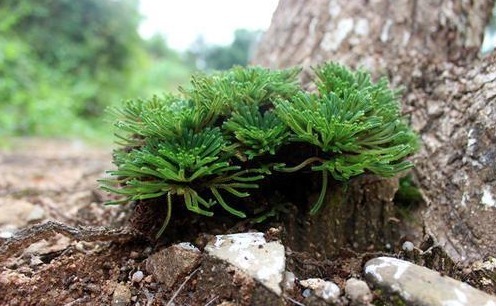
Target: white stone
487, 197
471, 141
312, 283
6, 234
407, 246
465, 198
137, 276
250, 252
330, 292
417, 285
358, 292
326, 290
288, 283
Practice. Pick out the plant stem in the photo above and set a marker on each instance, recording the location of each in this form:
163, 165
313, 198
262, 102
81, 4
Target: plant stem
167, 218
305, 163
323, 191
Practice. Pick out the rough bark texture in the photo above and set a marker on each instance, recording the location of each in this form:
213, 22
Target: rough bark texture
457, 167
372, 33
430, 48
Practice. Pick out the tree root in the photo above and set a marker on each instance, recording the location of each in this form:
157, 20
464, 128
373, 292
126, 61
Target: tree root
25, 237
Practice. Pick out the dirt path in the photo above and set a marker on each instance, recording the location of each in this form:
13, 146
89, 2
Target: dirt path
50, 180
54, 180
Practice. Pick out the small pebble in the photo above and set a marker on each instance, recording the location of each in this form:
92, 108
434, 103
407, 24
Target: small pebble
80, 247
5, 234
149, 279
122, 296
147, 251
35, 261
330, 292
137, 277
306, 293
134, 255
407, 246
288, 282
326, 290
358, 292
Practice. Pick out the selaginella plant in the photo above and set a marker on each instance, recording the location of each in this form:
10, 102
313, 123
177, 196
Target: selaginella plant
229, 131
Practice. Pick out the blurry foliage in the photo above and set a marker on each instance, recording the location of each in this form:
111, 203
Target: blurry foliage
62, 62
167, 67
225, 57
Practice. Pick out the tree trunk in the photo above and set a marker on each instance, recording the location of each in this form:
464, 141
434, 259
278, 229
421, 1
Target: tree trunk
431, 49
457, 166
373, 33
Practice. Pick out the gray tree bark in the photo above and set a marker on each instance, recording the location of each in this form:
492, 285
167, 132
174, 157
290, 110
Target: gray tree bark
431, 49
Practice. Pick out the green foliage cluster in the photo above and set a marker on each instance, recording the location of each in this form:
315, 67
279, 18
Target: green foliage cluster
64, 60
229, 131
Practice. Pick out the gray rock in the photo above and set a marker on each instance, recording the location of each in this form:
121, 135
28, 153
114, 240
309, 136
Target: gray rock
137, 277
252, 254
417, 285
358, 292
169, 264
407, 246
326, 290
122, 295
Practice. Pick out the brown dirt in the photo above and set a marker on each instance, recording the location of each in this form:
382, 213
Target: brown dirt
60, 177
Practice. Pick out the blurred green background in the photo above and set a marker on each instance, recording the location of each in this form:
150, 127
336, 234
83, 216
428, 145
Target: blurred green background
64, 62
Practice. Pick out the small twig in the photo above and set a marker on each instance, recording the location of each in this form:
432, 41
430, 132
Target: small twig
293, 300
78, 301
24, 238
181, 287
428, 251
212, 300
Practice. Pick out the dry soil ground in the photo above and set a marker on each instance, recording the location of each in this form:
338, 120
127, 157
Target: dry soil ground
54, 180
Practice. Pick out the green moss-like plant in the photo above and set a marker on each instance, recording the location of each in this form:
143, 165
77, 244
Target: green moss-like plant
226, 132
